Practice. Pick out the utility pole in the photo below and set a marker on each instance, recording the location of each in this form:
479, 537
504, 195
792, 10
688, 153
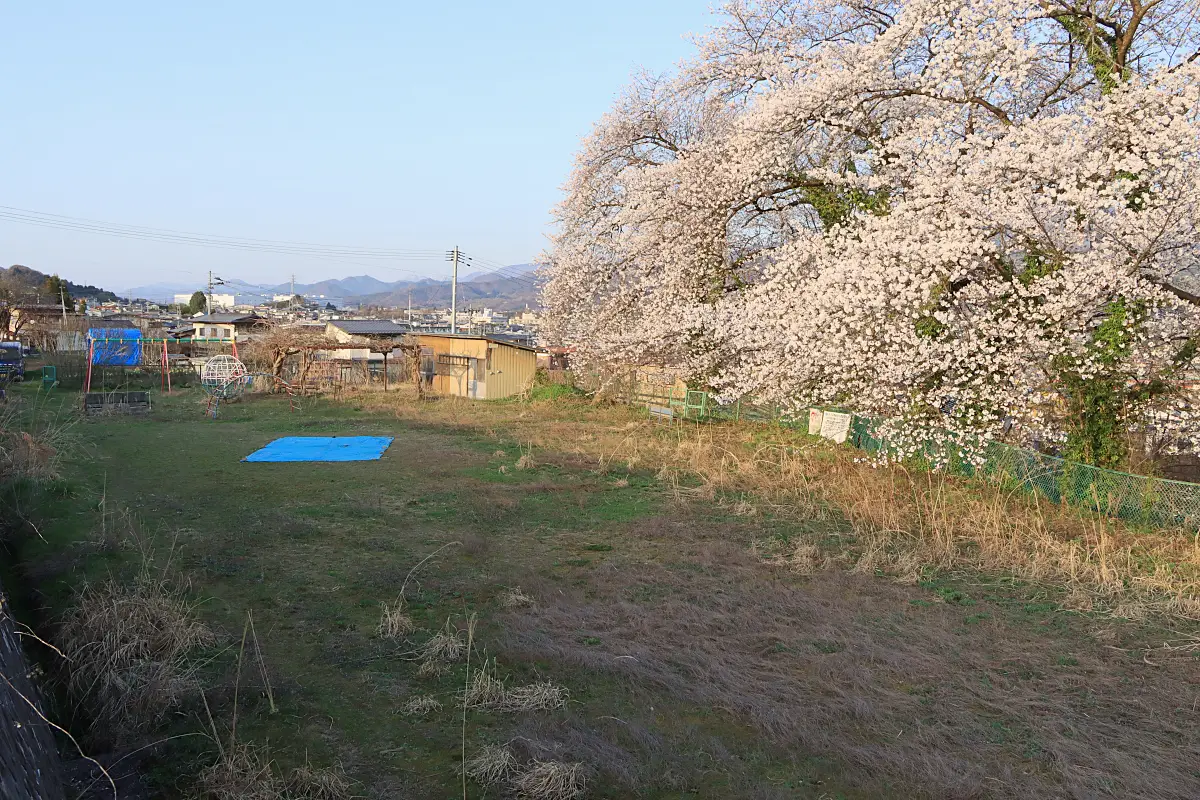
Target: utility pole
212, 281
410, 308
292, 296
453, 256
62, 298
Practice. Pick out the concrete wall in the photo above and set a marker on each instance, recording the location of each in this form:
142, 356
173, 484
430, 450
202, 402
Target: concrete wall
29, 765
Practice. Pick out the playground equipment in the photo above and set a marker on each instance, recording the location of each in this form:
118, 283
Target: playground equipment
223, 378
226, 378
126, 348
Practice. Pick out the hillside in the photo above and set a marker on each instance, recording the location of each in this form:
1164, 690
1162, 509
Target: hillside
25, 284
505, 289
504, 294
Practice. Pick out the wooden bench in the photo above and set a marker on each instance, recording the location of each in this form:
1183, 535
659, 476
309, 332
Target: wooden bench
98, 403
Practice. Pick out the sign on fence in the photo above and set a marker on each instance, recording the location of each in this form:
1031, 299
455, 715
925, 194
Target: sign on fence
815, 418
835, 426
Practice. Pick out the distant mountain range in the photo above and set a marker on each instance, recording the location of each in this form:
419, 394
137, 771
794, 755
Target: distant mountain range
505, 289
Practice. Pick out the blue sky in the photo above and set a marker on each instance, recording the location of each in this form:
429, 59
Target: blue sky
372, 124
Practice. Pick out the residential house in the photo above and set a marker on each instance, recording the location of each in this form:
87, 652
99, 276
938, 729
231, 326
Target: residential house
380, 332
231, 327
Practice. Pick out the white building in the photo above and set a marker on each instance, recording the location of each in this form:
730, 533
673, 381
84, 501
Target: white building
219, 301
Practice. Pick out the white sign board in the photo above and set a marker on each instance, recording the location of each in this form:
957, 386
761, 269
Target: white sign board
814, 422
836, 426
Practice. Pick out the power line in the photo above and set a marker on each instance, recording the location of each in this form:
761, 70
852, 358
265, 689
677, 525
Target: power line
335, 253
83, 225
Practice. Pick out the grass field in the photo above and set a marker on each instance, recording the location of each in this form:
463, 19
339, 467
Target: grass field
698, 663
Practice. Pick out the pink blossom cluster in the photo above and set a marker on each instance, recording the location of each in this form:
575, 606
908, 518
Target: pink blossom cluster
922, 210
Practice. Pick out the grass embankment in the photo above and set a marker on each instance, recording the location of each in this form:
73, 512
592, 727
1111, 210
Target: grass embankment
715, 612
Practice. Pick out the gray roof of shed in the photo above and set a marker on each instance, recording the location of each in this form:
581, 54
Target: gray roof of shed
225, 318
369, 327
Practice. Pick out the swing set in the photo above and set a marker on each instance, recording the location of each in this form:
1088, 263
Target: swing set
127, 348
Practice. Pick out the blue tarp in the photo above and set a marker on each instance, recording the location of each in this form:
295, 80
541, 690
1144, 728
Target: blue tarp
323, 448
126, 352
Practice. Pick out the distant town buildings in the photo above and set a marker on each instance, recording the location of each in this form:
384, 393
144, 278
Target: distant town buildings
224, 302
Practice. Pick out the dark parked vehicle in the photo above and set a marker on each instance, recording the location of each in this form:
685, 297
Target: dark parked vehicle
12, 362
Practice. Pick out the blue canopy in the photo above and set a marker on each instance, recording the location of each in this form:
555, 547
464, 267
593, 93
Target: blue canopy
115, 347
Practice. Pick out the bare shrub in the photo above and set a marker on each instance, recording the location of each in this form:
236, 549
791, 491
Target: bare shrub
130, 651
551, 780
492, 765
420, 705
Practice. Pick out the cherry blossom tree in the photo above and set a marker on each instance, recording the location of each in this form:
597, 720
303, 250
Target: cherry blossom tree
967, 216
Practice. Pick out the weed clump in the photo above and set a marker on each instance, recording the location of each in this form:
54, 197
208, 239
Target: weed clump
130, 653
246, 772
551, 780
515, 598
243, 772
394, 621
492, 765
443, 648
487, 692
420, 705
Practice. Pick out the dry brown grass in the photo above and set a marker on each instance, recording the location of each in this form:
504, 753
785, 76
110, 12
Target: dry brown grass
394, 621
420, 705
131, 653
246, 772
903, 520
513, 597
486, 692
551, 780
33, 439
308, 783
937, 700
447, 646
242, 773
492, 764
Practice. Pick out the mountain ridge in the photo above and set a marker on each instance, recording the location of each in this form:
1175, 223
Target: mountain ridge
506, 288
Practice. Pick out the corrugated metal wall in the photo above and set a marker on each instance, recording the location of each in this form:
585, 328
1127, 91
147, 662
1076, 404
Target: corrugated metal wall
512, 368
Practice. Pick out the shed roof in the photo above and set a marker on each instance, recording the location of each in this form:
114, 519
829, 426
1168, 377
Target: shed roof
369, 327
226, 318
494, 339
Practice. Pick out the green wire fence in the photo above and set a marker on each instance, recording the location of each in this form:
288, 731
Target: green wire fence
1158, 502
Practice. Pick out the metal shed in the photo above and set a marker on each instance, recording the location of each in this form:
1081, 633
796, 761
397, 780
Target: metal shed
478, 367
